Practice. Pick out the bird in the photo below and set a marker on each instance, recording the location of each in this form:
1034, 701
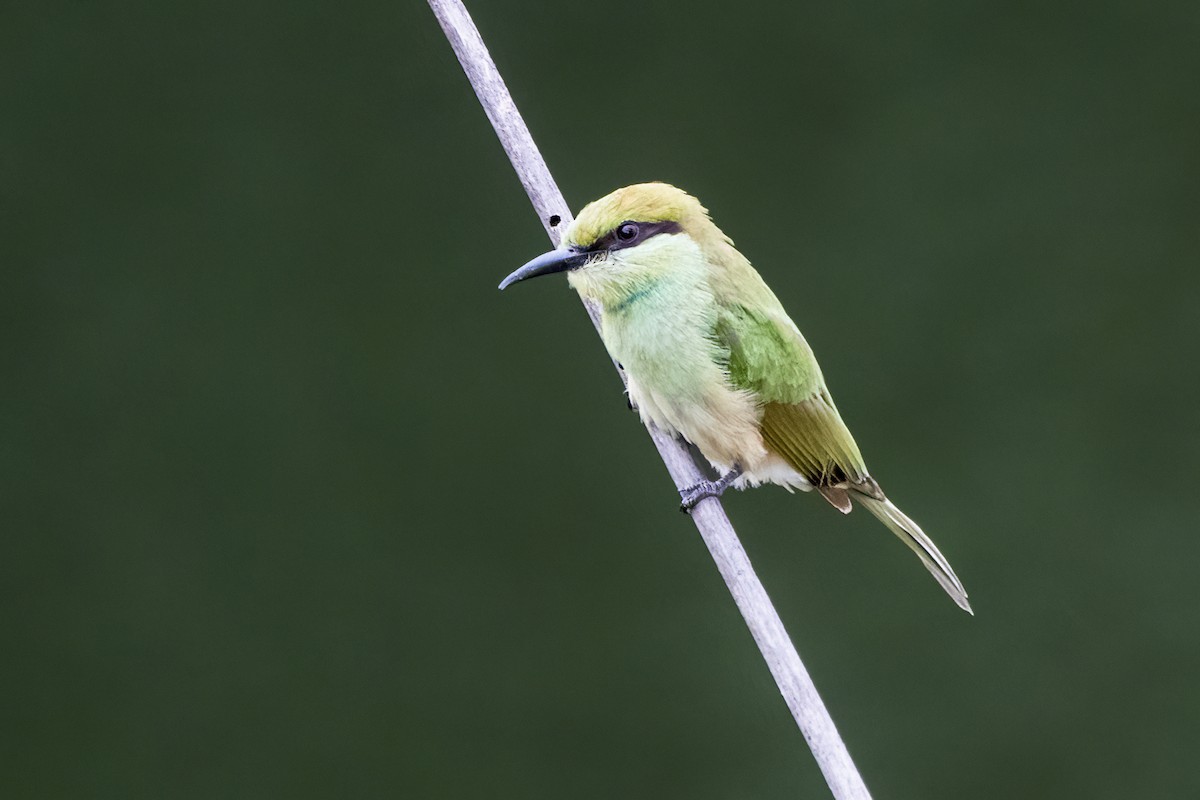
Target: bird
710, 355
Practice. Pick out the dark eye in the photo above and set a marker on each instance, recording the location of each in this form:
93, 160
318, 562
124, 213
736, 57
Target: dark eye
627, 232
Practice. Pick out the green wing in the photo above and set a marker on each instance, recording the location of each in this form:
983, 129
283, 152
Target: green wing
768, 356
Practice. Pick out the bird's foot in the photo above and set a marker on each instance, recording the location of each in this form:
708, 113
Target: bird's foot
697, 492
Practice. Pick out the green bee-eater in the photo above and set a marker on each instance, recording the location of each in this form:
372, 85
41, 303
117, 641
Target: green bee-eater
710, 354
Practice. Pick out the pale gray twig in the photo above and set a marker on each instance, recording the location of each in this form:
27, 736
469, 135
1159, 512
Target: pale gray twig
714, 526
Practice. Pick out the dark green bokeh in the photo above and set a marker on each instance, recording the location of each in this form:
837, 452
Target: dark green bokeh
295, 504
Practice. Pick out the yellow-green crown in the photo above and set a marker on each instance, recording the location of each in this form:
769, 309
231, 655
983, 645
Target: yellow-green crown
641, 202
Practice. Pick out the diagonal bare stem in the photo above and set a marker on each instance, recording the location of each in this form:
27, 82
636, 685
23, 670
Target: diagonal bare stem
765, 626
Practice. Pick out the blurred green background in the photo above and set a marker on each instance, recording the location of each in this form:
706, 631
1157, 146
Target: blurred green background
295, 504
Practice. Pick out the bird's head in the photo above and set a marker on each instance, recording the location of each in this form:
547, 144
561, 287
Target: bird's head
625, 238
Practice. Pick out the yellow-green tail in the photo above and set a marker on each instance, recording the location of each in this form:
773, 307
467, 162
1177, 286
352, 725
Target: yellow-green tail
911, 534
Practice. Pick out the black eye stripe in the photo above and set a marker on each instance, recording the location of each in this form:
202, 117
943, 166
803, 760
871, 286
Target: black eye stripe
610, 241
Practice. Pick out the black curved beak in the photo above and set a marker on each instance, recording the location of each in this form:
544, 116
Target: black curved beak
547, 264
